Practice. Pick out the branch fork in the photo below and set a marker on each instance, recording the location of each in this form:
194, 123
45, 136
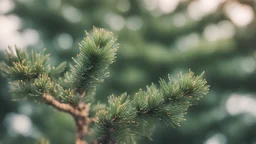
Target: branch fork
79, 113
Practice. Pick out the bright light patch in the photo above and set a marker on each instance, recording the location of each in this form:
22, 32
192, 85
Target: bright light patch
6, 6
30, 36
179, 19
71, 14
216, 139
116, 22
226, 29
194, 11
168, 6
65, 41
248, 64
209, 6
18, 124
238, 104
187, 42
9, 34
222, 30
241, 15
134, 22
150, 5
211, 32
9, 24
200, 8
123, 5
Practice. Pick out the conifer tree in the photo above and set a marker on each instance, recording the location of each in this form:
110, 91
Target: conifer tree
72, 89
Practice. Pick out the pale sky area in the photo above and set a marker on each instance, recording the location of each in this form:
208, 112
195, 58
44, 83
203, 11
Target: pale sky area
10, 26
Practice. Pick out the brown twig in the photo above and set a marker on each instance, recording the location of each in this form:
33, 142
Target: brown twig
79, 113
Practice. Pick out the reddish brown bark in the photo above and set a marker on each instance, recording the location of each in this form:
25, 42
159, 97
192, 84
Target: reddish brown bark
80, 114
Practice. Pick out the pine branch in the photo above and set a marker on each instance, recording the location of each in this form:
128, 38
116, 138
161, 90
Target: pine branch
172, 100
50, 100
97, 52
25, 66
123, 117
32, 77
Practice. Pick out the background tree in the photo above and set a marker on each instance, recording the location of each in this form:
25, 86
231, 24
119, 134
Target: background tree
156, 38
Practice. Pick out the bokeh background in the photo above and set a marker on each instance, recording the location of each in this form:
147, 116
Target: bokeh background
156, 37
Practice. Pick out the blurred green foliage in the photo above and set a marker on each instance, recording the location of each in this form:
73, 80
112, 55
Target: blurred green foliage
153, 42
